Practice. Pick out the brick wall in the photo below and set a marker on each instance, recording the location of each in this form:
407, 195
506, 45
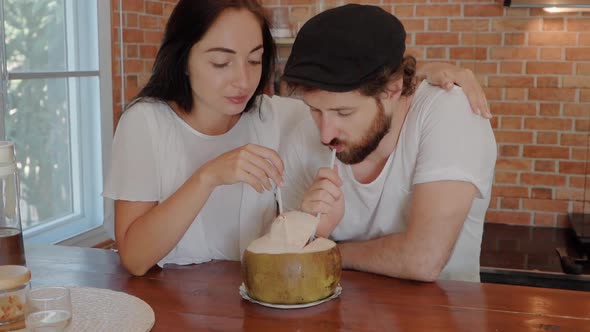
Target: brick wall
535, 68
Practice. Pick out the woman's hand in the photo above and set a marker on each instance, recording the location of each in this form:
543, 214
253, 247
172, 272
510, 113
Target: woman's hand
252, 164
447, 75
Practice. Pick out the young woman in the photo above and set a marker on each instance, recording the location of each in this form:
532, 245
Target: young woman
194, 161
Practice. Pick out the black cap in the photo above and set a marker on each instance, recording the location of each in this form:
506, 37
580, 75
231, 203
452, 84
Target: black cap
342, 48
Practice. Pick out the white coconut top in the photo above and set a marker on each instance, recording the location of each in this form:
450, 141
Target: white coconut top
289, 233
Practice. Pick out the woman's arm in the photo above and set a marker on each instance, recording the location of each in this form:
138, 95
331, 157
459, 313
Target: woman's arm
446, 75
147, 231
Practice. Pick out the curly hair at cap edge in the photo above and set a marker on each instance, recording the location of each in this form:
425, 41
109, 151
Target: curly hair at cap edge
189, 22
378, 85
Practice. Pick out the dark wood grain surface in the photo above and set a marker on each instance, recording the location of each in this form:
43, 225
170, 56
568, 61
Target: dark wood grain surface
205, 298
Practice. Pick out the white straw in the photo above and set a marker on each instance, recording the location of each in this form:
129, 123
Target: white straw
280, 199
332, 160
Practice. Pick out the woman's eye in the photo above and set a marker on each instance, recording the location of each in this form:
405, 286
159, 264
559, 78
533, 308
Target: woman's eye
343, 114
219, 65
255, 62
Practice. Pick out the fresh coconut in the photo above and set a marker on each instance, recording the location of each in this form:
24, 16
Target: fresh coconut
283, 268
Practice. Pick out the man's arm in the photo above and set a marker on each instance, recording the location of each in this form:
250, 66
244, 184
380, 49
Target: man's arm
437, 213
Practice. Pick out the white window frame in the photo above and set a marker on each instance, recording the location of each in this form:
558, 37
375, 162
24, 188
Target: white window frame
84, 226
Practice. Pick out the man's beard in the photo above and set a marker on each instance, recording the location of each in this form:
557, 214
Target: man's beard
357, 152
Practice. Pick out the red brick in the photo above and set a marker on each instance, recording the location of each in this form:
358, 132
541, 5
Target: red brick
154, 8
576, 110
509, 151
570, 194
578, 54
440, 24
544, 219
511, 81
438, 10
513, 53
542, 193
506, 178
469, 53
132, 36
511, 67
480, 67
577, 182
510, 203
574, 139
507, 122
133, 6
517, 24
545, 205
521, 137
483, 10
576, 82
437, 38
404, 11
582, 24
545, 166
436, 52
542, 179
547, 109
493, 93
546, 67
514, 39
546, 152
513, 108
515, 218
516, 93
582, 125
585, 96
579, 154
546, 138
553, 38
569, 167
552, 53
548, 123
553, 24
514, 164
547, 82
551, 94
149, 22
470, 25
481, 39
583, 68
510, 191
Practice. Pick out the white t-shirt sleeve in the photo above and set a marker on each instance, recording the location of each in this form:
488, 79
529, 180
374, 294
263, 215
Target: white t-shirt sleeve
455, 144
133, 174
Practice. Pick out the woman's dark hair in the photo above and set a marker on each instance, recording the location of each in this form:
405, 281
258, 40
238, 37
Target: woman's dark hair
187, 25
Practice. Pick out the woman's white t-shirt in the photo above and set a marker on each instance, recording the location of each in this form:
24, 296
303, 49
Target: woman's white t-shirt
155, 152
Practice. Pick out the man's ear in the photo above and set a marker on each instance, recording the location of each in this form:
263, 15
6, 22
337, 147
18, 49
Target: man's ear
393, 89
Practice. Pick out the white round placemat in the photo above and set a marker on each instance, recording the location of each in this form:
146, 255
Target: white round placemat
245, 296
104, 310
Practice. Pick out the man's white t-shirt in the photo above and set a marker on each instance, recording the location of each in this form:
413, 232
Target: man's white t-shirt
155, 152
441, 139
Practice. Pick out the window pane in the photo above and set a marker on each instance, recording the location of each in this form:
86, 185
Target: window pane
35, 35
38, 121
51, 35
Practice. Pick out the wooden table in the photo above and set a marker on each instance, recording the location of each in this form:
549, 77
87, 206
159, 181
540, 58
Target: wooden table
205, 298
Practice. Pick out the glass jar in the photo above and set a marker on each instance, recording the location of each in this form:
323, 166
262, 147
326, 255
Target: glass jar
12, 251
14, 287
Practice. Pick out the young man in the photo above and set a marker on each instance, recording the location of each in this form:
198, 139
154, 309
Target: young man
412, 180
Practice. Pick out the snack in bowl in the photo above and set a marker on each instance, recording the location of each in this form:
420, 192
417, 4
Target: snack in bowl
282, 268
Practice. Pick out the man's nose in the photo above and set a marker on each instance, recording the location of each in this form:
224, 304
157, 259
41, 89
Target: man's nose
327, 131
